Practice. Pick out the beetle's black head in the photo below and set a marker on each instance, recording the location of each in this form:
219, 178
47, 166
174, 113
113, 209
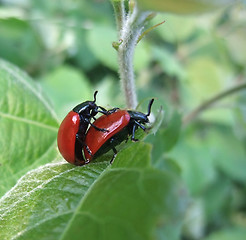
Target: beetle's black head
141, 117
87, 108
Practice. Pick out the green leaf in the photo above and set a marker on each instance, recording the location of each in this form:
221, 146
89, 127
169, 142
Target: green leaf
171, 31
43, 202
95, 201
182, 6
240, 116
19, 43
168, 164
28, 126
171, 132
237, 51
133, 206
139, 156
100, 39
196, 162
228, 234
168, 62
229, 154
66, 94
165, 138
205, 79
141, 56
83, 50
218, 201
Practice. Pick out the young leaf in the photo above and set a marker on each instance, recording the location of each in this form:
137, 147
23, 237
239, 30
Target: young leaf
28, 126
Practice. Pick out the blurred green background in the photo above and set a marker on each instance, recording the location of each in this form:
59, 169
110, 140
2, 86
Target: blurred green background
66, 47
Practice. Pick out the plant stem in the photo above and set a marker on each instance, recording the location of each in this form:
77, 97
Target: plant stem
193, 114
130, 27
120, 14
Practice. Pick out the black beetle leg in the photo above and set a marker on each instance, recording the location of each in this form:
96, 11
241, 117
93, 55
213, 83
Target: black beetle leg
107, 112
88, 150
140, 125
97, 128
112, 110
135, 125
133, 133
103, 110
114, 156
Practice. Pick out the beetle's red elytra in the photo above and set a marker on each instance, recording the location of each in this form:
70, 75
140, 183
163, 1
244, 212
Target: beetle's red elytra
71, 133
114, 123
120, 125
67, 136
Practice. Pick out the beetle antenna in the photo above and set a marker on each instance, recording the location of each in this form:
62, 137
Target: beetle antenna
149, 107
95, 94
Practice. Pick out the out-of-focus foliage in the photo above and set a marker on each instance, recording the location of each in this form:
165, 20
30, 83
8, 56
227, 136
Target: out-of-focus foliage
183, 6
66, 47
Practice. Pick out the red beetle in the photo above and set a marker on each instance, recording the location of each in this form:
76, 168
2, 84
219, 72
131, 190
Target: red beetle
71, 134
119, 125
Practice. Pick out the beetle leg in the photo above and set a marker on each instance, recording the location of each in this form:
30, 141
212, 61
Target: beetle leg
112, 110
114, 156
107, 112
87, 161
135, 125
140, 125
88, 150
97, 128
103, 110
133, 133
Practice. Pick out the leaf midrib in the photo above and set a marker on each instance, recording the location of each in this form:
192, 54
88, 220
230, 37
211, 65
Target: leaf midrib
82, 200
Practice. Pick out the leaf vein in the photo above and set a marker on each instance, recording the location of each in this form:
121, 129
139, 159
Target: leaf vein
28, 121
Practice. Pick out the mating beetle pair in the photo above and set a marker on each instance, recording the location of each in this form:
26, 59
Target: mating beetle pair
104, 134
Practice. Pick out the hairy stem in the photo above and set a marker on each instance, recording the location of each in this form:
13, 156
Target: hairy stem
130, 27
120, 14
193, 114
